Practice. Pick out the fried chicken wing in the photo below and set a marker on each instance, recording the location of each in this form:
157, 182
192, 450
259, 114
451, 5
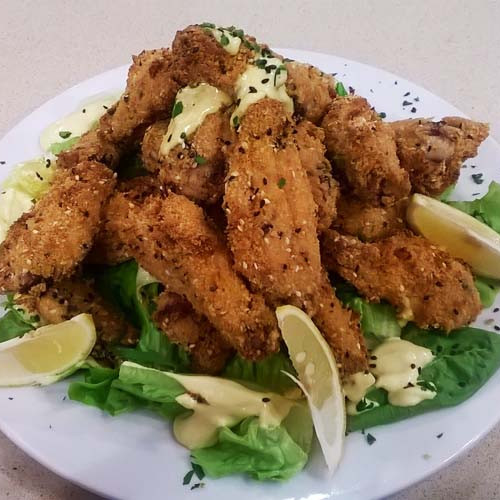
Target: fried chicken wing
196, 170
200, 58
53, 238
363, 149
311, 89
425, 284
271, 213
325, 189
176, 317
433, 152
149, 96
369, 223
108, 249
171, 238
272, 228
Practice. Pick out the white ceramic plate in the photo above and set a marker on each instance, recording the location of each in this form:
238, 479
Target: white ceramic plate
135, 456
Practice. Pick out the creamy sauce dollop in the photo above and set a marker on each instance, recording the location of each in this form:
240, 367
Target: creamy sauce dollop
217, 402
265, 77
196, 104
77, 123
394, 366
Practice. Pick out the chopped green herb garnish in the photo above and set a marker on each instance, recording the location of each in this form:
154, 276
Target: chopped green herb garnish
183, 135
64, 134
177, 110
188, 477
281, 183
224, 40
236, 121
197, 469
200, 160
340, 90
238, 33
208, 25
370, 439
382, 115
260, 63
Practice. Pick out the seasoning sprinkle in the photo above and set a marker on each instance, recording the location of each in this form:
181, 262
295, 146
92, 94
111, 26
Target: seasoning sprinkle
281, 183
440, 435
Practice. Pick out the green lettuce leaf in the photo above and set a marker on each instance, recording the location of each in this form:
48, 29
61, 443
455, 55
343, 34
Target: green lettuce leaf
118, 284
488, 289
445, 195
59, 147
15, 322
378, 321
267, 374
263, 453
485, 209
464, 361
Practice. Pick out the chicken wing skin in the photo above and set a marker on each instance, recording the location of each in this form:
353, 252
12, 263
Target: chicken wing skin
425, 284
171, 238
433, 152
271, 213
363, 149
272, 228
108, 249
200, 58
149, 96
369, 223
309, 140
311, 89
50, 241
196, 170
176, 317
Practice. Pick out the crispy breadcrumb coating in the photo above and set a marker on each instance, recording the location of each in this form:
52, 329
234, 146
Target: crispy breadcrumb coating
433, 152
425, 284
311, 90
48, 242
176, 317
363, 149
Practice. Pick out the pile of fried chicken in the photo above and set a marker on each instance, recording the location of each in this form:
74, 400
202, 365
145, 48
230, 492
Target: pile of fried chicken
280, 201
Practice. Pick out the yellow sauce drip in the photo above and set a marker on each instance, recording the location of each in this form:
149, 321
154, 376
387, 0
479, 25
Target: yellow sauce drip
197, 103
229, 42
256, 83
76, 123
396, 368
217, 402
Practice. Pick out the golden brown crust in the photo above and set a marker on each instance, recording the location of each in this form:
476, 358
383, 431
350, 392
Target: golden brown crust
271, 213
200, 58
53, 238
309, 140
197, 170
425, 284
433, 152
171, 238
149, 96
311, 89
369, 223
176, 317
363, 149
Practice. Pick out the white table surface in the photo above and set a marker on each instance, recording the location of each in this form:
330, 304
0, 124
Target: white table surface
451, 47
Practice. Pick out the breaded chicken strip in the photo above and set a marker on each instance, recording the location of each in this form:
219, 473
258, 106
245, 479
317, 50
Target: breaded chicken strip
369, 223
197, 170
325, 190
176, 317
272, 228
53, 238
108, 249
271, 213
171, 238
92, 146
149, 96
311, 89
425, 284
433, 152
363, 149
200, 58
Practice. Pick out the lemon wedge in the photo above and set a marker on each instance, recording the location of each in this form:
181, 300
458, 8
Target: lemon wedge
318, 378
47, 354
462, 235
